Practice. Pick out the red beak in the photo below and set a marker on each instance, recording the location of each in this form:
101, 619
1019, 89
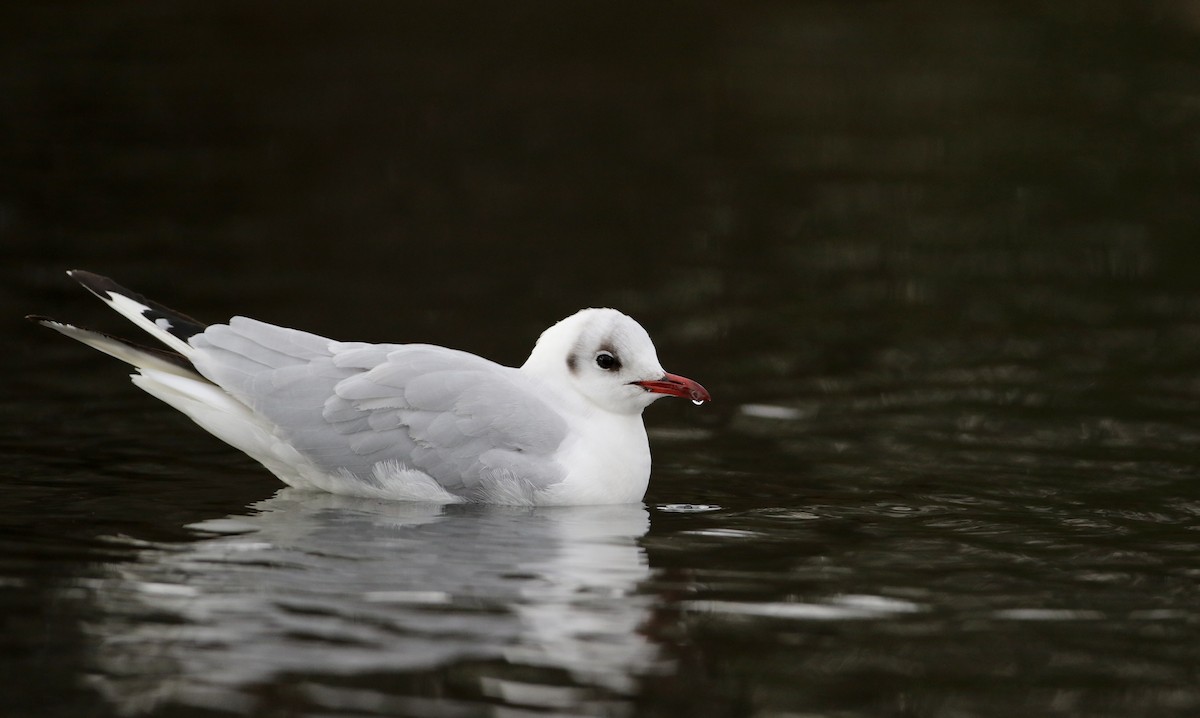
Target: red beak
675, 385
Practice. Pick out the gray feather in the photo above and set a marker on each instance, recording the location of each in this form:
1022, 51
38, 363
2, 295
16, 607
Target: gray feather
463, 420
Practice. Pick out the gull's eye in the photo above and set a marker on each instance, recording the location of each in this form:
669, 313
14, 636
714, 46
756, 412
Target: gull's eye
605, 360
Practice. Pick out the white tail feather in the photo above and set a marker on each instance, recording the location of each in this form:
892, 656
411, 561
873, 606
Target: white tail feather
226, 418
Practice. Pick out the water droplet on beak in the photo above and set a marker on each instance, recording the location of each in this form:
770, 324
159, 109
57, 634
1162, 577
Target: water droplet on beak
697, 402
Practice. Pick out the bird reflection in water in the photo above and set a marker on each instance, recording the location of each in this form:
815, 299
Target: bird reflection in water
316, 591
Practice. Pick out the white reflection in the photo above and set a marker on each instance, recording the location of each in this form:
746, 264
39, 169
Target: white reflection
317, 585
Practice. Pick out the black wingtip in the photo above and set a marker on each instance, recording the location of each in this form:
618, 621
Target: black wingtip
182, 326
100, 285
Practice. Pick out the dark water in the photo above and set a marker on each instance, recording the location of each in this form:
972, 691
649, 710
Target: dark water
936, 262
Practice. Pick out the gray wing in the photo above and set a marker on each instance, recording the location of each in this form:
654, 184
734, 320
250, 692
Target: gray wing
463, 420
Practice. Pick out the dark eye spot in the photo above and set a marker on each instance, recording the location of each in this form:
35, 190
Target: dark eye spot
605, 360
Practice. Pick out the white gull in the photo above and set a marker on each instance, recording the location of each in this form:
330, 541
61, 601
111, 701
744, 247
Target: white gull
412, 422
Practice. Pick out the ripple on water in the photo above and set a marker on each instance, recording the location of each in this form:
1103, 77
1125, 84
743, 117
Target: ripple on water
776, 412
688, 508
723, 533
838, 608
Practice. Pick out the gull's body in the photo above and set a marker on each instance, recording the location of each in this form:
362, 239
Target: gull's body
410, 421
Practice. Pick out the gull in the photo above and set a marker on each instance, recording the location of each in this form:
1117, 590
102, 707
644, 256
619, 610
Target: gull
412, 422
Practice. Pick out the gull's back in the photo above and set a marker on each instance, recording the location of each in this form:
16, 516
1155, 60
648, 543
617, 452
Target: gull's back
384, 414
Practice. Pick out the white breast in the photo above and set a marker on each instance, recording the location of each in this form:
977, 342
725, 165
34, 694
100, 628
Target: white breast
607, 460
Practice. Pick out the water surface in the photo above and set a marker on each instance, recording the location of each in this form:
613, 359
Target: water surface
936, 265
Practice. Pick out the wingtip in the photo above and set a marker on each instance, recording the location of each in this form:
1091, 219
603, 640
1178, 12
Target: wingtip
100, 285
47, 322
87, 278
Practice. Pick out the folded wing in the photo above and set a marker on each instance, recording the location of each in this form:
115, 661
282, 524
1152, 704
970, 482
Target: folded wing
464, 421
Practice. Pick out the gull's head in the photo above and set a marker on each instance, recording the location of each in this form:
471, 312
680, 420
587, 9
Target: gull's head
608, 358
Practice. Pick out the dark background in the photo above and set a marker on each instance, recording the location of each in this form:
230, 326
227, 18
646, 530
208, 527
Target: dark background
951, 246
408, 170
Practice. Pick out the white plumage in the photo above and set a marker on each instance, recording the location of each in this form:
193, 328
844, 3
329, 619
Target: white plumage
410, 421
